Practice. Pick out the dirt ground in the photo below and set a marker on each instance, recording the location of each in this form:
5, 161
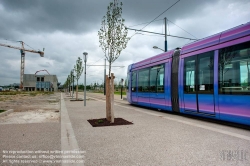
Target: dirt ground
30, 108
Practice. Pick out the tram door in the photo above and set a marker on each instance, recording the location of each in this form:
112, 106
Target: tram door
199, 83
134, 87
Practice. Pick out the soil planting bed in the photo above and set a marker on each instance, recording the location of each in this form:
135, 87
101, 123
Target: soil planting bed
76, 100
103, 122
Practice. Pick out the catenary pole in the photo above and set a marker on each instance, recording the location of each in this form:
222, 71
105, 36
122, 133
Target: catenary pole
166, 42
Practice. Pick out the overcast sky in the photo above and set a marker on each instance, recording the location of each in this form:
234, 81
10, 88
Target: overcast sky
67, 28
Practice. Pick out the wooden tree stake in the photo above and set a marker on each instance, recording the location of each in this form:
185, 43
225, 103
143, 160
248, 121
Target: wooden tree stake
108, 106
112, 97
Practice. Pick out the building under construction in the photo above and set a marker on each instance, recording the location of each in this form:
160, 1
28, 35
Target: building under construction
33, 82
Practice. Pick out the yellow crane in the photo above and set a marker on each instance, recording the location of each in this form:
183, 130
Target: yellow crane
22, 50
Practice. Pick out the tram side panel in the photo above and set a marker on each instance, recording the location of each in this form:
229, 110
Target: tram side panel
234, 82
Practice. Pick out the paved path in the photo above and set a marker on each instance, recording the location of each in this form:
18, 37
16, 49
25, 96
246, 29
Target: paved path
155, 138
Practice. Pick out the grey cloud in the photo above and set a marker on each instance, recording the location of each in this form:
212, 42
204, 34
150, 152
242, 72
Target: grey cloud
83, 15
148, 10
48, 16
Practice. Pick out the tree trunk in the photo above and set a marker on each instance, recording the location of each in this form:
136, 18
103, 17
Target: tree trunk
77, 90
72, 90
69, 91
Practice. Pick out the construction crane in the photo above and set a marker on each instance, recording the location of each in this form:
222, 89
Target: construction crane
42, 70
22, 50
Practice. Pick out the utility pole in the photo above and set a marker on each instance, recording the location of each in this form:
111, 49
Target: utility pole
105, 73
166, 42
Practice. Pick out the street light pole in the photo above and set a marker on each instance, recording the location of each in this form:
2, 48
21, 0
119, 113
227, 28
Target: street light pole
85, 60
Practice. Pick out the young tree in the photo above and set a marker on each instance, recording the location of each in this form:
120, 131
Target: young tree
113, 33
66, 84
72, 78
69, 82
113, 39
78, 70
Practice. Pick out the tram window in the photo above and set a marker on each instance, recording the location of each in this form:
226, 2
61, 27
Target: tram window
234, 69
157, 79
189, 74
143, 80
205, 72
199, 73
133, 82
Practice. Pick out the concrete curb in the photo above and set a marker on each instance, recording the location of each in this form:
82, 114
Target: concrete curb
68, 139
6, 112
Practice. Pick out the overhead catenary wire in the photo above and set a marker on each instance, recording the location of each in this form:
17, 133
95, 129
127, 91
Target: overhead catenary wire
144, 23
160, 14
95, 62
182, 29
157, 17
167, 28
149, 35
162, 34
163, 28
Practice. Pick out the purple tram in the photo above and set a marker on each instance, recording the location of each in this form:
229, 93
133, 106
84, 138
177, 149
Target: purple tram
208, 78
